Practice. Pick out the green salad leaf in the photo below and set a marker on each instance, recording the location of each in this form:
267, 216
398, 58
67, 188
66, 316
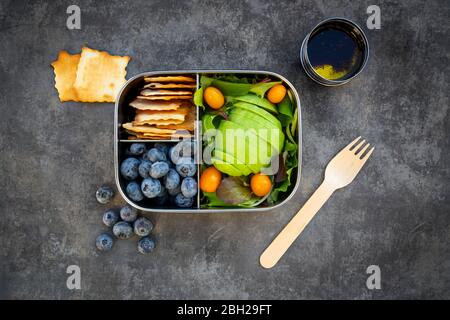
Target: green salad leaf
233, 88
261, 88
285, 110
198, 98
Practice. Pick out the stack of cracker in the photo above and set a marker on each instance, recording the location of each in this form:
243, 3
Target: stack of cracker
92, 76
164, 109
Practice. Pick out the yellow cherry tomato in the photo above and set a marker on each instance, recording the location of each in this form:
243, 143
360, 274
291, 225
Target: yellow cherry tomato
213, 97
260, 184
210, 180
277, 93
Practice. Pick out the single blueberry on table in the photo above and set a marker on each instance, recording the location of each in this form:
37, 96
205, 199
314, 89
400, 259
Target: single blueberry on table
151, 187
144, 168
156, 155
137, 149
104, 242
134, 191
128, 213
189, 187
110, 217
129, 169
146, 245
104, 194
183, 202
159, 169
186, 167
123, 230
143, 227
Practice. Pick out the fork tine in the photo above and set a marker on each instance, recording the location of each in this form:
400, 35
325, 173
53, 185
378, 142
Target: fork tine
359, 145
361, 152
350, 145
367, 156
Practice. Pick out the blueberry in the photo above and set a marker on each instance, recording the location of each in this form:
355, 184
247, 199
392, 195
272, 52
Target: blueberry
144, 169
151, 187
189, 187
110, 217
128, 213
159, 169
143, 227
186, 167
172, 179
156, 155
175, 191
123, 230
104, 242
146, 245
104, 194
137, 149
134, 191
182, 149
129, 168
183, 202
163, 147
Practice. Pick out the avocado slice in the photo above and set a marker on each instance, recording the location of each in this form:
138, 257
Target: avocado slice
225, 167
260, 102
248, 120
259, 111
230, 159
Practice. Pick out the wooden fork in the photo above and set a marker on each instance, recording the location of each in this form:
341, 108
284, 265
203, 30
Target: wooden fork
340, 171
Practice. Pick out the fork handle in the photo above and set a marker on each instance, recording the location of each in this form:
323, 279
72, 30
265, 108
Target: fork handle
292, 230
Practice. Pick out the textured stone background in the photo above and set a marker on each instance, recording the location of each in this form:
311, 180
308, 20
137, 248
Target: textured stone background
53, 157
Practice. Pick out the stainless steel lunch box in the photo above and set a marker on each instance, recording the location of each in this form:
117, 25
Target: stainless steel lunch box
122, 113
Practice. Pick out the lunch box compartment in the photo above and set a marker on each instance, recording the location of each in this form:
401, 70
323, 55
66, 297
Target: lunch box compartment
125, 113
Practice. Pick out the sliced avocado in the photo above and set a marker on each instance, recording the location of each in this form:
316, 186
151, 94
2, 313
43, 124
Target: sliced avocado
261, 102
225, 167
228, 158
245, 145
249, 120
261, 112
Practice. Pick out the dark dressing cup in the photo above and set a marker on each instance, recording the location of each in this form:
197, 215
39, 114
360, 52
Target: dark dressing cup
334, 52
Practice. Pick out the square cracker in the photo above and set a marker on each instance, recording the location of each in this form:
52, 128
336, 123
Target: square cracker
100, 75
65, 68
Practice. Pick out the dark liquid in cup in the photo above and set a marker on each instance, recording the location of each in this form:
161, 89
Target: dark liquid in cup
334, 52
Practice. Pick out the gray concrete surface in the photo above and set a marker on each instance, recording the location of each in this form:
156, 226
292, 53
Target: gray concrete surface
53, 157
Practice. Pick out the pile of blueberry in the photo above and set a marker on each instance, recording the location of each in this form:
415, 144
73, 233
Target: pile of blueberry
163, 172
124, 223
